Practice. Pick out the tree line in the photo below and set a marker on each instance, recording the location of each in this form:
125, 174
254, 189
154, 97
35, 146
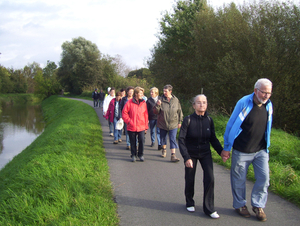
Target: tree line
220, 51
224, 51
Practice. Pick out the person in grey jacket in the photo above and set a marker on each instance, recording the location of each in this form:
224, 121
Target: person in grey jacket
169, 119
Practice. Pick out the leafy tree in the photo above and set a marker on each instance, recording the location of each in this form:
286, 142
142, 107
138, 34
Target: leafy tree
30, 71
80, 65
46, 85
173, 56
49, 70
6, 85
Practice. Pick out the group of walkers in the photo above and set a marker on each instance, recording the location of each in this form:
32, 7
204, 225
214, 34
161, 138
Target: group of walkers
247, 134
162, 114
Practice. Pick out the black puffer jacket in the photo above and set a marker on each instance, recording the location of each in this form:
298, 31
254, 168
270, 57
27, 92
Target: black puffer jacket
196, 136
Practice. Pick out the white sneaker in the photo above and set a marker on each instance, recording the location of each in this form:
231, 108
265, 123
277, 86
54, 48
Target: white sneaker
191, 209
214, 215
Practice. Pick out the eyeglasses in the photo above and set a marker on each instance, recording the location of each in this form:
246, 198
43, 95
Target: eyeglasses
265, 93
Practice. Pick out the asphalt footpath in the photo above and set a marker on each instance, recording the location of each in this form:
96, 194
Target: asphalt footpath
152, 192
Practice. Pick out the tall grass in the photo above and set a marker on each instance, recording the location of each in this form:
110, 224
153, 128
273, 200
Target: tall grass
62, 178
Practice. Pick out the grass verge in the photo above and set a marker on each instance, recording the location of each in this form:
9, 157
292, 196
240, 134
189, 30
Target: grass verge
62, 178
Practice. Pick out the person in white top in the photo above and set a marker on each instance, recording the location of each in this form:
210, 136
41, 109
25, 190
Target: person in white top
106, 102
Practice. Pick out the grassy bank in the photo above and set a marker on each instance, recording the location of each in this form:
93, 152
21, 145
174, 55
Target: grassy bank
284, 161
62, 178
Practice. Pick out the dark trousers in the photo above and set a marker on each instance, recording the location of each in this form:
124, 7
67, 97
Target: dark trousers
208, 184
95, 102
141, 138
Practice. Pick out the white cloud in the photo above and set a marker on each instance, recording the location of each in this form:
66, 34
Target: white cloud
34, 30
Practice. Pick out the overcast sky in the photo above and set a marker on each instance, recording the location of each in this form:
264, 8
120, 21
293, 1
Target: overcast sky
35, 30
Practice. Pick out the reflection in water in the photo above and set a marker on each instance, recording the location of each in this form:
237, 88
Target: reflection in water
19, 126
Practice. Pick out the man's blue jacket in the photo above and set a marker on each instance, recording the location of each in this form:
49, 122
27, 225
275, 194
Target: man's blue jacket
241, 110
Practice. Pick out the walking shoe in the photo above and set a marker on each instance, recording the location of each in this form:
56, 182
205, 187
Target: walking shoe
115, 142
152, 144
174, 158
128, 147
111, 134
159, 147
260, 214
142, 159
119, 140
133, 158
191, 209
214, 215
243, 211
164, 153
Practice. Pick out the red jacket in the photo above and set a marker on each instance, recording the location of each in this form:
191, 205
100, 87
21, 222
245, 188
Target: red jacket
135, 115
110, 114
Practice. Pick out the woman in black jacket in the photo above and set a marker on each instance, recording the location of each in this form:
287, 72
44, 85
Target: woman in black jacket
151, 102
196, 134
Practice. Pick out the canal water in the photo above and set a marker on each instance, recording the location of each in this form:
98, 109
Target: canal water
20, 125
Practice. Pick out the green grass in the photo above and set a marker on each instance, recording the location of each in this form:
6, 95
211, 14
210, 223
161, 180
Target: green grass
62, 178
284, 161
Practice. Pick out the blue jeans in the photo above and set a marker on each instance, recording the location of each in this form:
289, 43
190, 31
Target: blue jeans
117, 133
126, 134
111, 126
239, 166
172, 137
100, 103
152, 125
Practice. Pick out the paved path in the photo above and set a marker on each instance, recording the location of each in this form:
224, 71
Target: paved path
151, 192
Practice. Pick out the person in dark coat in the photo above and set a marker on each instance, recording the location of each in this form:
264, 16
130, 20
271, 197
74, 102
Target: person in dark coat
101, 98
196, 134
151, 102
95, 97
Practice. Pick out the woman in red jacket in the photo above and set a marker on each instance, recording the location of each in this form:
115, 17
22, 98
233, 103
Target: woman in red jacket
135, 115
113, 114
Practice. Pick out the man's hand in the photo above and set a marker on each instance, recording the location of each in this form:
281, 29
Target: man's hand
225, 155
158, 102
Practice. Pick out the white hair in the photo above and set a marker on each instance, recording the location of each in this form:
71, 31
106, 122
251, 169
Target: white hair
264, 82
199, 95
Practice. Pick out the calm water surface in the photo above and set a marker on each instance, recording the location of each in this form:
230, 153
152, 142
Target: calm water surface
19, 126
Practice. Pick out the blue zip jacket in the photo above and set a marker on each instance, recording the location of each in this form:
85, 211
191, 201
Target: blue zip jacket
241, 110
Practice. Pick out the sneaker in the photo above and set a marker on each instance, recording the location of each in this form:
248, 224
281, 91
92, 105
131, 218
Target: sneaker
133, 158
243, 211
142, 159
260, 214
115, 142
214, 215
119, 140
111, 134
191, 209
174, 158
164, 153
128, 147
159, 147
152, 144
